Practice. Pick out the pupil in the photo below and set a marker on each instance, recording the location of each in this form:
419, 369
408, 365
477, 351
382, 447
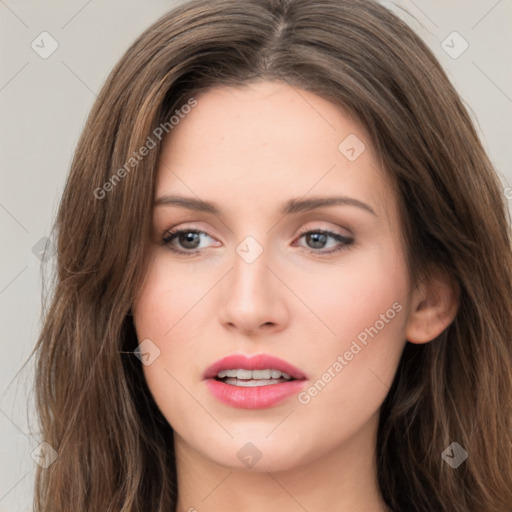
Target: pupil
189, 237
318, 239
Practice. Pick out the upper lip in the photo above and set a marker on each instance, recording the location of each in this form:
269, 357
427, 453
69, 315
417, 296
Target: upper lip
257, 362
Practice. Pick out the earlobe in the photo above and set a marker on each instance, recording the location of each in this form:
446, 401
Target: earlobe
433, 308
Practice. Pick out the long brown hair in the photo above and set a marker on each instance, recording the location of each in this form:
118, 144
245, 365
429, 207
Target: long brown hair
115, 448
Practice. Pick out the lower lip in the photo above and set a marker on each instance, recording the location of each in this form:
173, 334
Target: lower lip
258, 397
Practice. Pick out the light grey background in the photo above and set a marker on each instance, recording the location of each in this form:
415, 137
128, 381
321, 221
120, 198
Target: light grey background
43, 107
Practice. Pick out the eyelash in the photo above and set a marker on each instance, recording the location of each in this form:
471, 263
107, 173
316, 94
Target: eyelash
174, 233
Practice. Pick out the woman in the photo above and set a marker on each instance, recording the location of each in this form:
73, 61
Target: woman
284, 276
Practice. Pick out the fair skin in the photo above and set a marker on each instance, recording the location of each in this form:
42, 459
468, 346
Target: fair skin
250, 150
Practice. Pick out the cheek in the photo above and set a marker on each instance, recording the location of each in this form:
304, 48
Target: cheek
170, 311
363, 303
163, 315
168, 299
350, 295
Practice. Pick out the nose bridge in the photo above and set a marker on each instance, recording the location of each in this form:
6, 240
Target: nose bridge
250, 273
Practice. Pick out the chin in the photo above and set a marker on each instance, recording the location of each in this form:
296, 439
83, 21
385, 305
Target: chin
258, 453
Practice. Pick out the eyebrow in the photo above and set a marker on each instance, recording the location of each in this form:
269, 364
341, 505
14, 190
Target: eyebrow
290, 207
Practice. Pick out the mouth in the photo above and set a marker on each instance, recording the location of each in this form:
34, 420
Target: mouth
253, 382
261, 367
251, 378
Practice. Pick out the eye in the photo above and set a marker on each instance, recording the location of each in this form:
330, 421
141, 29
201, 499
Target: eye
318, 239
188, 239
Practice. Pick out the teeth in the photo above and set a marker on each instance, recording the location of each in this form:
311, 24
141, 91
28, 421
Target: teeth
243, 374
227, 373
262, 374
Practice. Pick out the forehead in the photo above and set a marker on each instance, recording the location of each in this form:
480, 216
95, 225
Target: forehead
253, 146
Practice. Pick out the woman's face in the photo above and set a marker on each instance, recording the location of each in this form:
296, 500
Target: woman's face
324, 288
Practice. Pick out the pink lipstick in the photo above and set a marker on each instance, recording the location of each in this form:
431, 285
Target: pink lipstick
253, 382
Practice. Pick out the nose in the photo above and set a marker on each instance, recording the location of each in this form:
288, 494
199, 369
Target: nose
253, 299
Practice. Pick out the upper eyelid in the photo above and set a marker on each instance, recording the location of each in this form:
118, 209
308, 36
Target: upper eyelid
313, 225
300, 232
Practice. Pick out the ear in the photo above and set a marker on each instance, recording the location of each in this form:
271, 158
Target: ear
433, 307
